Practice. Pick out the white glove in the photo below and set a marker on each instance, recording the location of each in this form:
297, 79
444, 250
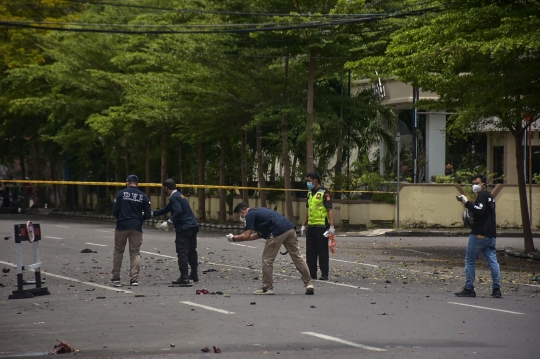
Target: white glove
230, 237
332, 230
164, 226
303, 231
463, 199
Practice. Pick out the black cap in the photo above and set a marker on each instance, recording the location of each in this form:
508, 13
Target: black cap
132, 178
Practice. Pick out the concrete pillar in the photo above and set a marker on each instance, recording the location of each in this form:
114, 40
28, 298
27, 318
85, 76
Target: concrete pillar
435, 145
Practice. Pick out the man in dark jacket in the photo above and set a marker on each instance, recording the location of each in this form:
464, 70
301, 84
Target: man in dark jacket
276, 230
131, 208
186, 228
482, 238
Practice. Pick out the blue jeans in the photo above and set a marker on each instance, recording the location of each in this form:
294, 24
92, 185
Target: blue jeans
481, 245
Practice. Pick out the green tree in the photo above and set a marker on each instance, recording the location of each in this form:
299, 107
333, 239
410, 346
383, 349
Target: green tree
481, 58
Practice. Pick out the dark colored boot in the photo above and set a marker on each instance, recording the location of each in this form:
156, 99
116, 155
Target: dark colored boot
194, 276
182, 280
466, 293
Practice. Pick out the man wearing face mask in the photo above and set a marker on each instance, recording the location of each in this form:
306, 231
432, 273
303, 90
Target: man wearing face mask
186, 228
319, 219
482, 238
277, 230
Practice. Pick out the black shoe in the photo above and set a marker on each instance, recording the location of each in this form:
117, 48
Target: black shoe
313, 277
194, 276
323, 277
134, 282
466, 293
115, 280
496, 293
181, 281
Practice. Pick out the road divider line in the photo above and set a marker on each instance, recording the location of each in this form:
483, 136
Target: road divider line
477, 306
53, 237
159, 255
346, 342
206, 307
76, 280
412, 250
257, 269
61, 226
243, 245
364, 264
95, 244
100, 230
290, 276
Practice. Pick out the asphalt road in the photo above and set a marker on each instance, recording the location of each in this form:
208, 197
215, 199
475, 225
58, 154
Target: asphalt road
387, 297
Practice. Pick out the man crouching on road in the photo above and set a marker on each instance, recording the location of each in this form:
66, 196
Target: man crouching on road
277, 230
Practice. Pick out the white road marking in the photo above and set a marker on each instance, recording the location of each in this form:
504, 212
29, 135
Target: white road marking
257, 269
75, 280
346, 342
159, 255
364, 264
207, 307
290, 276
412, 250
243, 245
95, 244
61, 226
99, 230
53, 237
477, 306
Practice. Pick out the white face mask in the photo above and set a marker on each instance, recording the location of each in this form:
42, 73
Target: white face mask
243, 220
476, 188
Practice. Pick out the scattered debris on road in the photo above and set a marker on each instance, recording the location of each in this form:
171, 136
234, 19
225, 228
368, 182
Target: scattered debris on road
205, 350
217, 350
61, 348
87, 250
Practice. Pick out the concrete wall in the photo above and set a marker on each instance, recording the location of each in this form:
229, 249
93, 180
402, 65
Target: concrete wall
420, 206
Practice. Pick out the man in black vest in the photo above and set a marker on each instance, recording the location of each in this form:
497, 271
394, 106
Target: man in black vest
186, 228
131, 208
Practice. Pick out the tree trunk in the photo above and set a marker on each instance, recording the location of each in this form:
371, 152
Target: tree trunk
338, 169
286, 170
526, 223
116, 166
147, 168
293, 169
180, 163
222, 192
128, 161
22, 162
245, 197
260, 167
164, 138
202, 181
272, 169
309, 119
285, 153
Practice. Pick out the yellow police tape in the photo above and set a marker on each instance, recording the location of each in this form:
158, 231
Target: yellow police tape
184, 185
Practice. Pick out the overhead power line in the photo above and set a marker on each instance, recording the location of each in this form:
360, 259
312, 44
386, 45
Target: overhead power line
295, 26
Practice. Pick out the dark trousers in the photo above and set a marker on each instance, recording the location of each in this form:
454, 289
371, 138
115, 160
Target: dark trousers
317, 247
186, 251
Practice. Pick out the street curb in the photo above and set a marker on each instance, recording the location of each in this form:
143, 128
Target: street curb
512, 252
